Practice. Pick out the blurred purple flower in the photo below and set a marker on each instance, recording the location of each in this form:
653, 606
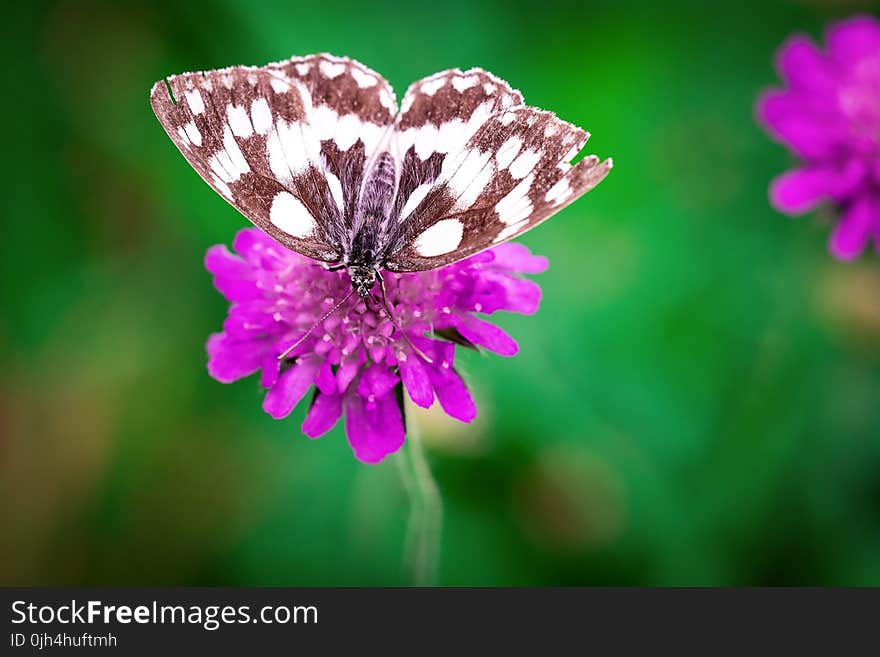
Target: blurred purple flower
357, 358
829, 115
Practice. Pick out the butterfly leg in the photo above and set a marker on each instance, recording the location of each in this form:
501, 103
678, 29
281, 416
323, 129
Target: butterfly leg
385, 304
315, 325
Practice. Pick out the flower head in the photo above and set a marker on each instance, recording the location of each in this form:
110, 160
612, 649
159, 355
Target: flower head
829, 115
358, 359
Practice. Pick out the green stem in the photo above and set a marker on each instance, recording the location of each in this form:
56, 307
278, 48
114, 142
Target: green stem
424, 526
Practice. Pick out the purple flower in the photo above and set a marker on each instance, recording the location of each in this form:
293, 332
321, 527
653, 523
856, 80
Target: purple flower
357, 358
829, 115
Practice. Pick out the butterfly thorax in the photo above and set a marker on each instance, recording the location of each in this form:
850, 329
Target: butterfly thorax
365, 254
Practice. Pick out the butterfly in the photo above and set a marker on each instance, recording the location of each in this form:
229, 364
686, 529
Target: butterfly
315, 152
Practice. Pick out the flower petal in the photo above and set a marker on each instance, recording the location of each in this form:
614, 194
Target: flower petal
326, 381
808, 136
853, 40
799, 191
849, 178
271, 370
246, 323
516, 257
501, 291
252, 244
453, 394
802, 64
233, 277
220, 261
486, 335
854, 229
348, 369
230, 360
774, 106
377, 380
323, 414
415, 379
290, 388
374, 429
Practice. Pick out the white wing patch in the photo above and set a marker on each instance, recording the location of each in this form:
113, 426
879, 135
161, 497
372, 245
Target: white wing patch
348, 130
195, 101
291, 216
364, 80
426, 140
462, 83
261, 116
443, 237
238, 120
559, 192
524, 163
417, 196
279, 86
467, 179
508, 151
335, 189
290, 149
516, 204
222, 186
433, 86
324, 121
192, 133
511, 230
332, 69
228, 163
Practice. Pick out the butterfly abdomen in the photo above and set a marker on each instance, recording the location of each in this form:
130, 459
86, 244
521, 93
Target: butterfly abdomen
372, 215
378, 192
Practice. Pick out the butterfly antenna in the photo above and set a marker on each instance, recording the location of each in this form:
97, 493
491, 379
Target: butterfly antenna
395, 322
315, 325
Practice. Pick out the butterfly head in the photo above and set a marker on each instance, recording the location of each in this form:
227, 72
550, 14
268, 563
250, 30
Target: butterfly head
362, 279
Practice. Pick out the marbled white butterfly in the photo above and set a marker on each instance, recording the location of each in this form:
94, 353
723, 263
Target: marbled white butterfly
315, 152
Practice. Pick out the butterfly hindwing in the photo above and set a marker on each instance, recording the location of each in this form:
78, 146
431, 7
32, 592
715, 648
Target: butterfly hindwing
501, 169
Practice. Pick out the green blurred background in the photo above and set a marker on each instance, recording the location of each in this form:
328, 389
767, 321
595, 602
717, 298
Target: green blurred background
696, 402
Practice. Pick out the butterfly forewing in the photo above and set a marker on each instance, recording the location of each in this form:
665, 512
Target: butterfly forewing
286, 144
484, 168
